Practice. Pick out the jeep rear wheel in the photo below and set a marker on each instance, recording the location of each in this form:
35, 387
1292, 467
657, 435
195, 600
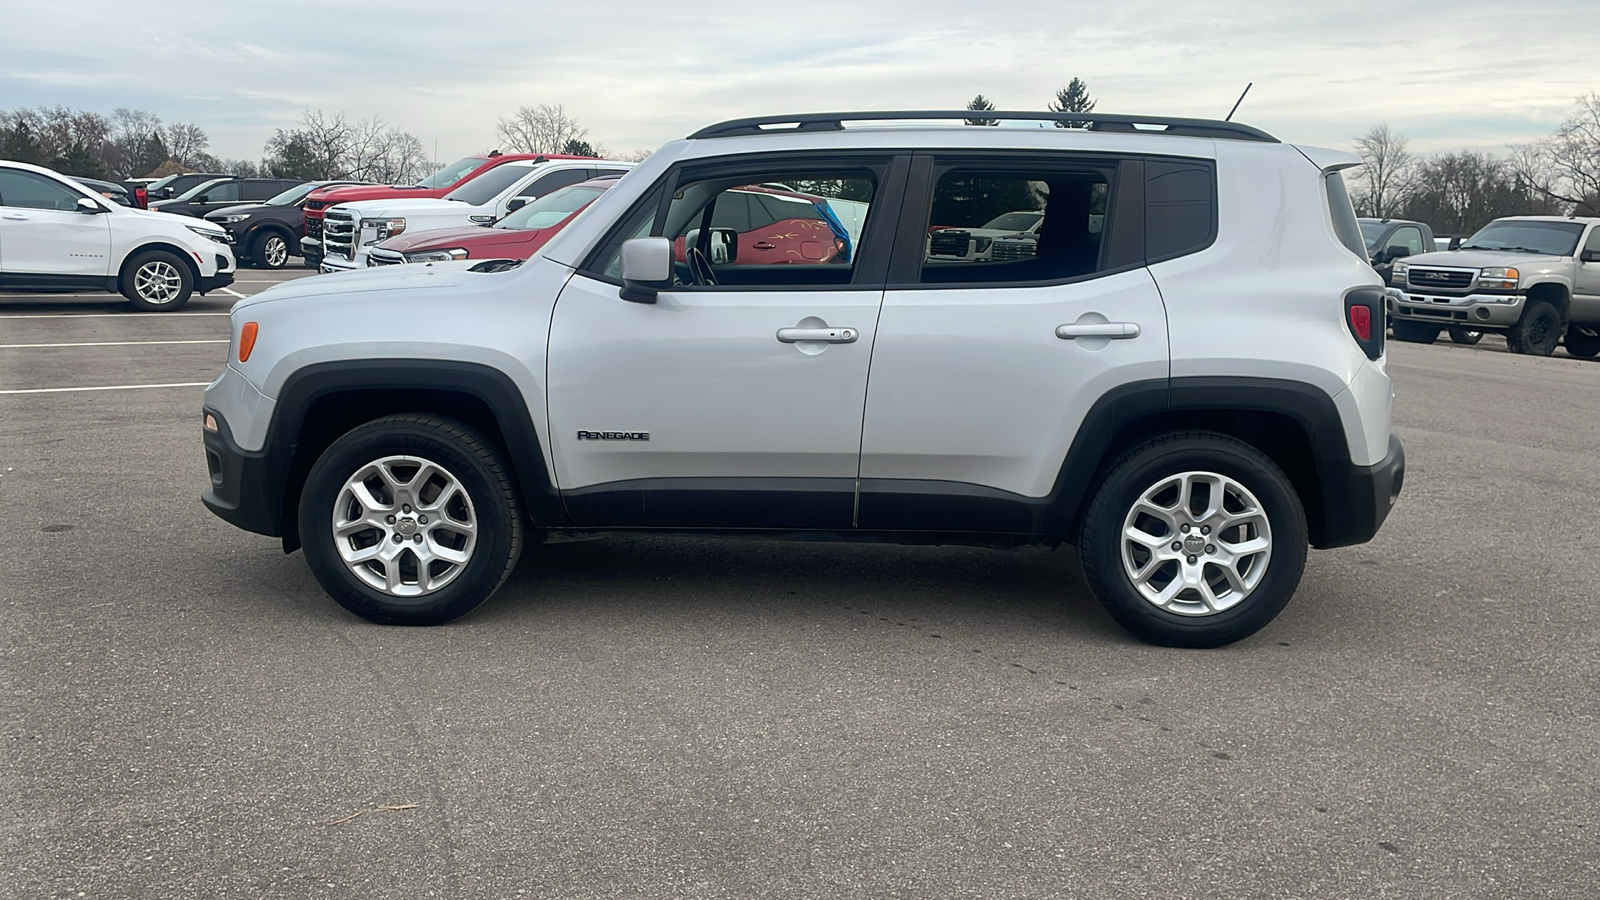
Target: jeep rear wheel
1583, 342
1537, 332
157, 281
1194, 539
410, 520
1415, 332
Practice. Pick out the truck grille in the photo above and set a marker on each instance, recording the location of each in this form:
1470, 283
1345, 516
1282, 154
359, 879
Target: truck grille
377, 257
340, 233
1016, 249
1441, 279
948, 243
314, 228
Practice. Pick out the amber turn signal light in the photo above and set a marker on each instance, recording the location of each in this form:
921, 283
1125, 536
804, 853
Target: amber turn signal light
247, 341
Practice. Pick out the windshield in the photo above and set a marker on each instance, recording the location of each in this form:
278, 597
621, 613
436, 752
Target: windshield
552, 207
1553, 238
487, 186
452, 173
1014, 221
293, 195
1370, 232
197, 190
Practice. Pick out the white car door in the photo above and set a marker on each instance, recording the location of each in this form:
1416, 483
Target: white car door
735, 404
984, 370
46, 239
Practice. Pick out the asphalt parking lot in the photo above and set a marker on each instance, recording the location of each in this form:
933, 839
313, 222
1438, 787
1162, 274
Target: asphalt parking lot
185, 714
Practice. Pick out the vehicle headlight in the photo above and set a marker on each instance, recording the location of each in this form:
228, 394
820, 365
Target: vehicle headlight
387, 228
217, 234
437, 255
982, 244
1504, 279
1399, 271
229, 220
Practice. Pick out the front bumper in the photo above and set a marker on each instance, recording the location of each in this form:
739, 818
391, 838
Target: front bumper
1475, 310
1357, 499
340, 264
240, 491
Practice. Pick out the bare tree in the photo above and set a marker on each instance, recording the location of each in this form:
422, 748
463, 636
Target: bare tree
545, 128
325, 146
137, 145
1573, 155
1387, 171
186, 145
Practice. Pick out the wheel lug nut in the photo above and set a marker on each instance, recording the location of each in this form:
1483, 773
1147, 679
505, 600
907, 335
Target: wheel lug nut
405, 507
1193, 560
398, 539
422, 520
417, 538
391, 520
1176, 546
1211, 548
1184, 528
1205, 529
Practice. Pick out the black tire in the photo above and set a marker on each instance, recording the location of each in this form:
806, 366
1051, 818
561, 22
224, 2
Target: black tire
1142, 468
157, 281
476, 466
1537, 332
269, 250
1583, 343
1466, 336
1415, 332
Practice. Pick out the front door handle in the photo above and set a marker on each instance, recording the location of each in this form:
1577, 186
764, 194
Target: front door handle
830, 335
1113, 330
763, 245
17, 217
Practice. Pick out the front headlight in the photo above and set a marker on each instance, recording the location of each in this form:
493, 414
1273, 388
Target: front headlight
1504, 279
981, 245
387, 228
217, 235
437, 255
229, 220
1399, 272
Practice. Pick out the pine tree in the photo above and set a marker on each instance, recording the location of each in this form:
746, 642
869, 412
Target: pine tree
981, 103
1074, 98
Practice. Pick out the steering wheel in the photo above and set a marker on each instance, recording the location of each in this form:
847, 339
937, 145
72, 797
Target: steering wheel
700, 267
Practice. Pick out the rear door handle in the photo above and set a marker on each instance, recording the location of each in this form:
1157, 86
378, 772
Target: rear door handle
19, 217
1113, 330
830, 335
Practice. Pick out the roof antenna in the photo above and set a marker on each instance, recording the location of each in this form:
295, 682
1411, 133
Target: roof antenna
1239, 101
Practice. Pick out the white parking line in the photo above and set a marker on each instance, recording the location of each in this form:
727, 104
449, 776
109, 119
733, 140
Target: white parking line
232, 293
111, 344
110, 387
106, 315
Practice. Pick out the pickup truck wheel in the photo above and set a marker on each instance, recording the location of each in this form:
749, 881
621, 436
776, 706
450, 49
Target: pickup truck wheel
410, 520
1582, 342
1415, 332
1194, 539
269, 251
1466, 336
157, 281
1537, 332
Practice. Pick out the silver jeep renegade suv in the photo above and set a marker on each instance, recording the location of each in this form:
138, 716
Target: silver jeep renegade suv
1182, 373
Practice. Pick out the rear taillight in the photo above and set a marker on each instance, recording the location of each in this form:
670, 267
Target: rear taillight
1364, 315
141, 198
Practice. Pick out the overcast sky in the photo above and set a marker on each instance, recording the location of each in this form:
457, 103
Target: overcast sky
1449, 74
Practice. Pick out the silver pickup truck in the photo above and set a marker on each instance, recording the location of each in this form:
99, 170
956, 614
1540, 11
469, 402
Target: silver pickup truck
1532, 278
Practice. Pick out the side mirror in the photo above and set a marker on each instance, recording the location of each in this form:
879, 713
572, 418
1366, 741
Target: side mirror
1589, 256
646, 268
1395, 252
516, 203
202, 198
89, 207
1455, 243
724, 245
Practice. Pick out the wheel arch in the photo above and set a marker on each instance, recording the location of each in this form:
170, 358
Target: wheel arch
1296, 425
1555, 293
320, 403
278, 228
182, 253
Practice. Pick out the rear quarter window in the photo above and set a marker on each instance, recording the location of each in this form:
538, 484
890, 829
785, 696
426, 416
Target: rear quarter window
1344, 216
1180, 198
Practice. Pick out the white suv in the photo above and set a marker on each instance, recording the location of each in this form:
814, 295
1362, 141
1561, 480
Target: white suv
55, 233
350, 230
1185, 378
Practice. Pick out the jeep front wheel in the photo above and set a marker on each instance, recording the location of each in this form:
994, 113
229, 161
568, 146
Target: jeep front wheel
1536, 333
1415, 332
410, 520
1194, 539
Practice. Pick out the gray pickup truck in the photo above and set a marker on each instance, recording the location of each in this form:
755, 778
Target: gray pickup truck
1532, 278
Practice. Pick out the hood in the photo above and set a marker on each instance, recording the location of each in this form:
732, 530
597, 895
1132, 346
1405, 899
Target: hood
469, 238
398, 206
333, 196
447, 276
1478, 259
235, 210
165, 217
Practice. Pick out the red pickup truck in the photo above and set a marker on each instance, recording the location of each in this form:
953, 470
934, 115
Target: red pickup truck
436, 185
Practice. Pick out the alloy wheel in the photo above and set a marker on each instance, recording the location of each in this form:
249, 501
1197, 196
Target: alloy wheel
158, 282
275, 251
405, 526
1196, 543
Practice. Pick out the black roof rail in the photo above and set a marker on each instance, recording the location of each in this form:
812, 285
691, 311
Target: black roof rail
1206, 128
